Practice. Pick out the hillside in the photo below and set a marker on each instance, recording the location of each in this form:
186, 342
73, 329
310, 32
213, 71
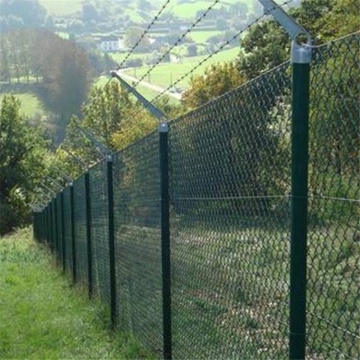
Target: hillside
42, 317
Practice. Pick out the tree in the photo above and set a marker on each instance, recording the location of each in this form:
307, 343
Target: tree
217, 79
132, 35
22, 151
66, 74
225, 137
267, 45
192, 50
90, 12
5, 74
30, 12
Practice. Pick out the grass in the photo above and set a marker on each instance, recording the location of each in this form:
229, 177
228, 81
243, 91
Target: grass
44, 317
166, 73
144, 91
30, 103
202, 36
230, 287
62, 7
189, 10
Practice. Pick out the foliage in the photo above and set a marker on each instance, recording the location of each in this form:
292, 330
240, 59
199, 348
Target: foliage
217, 79
60, 68
65, 70
267, 45
22, 151
29, 13
108, 116
132, 36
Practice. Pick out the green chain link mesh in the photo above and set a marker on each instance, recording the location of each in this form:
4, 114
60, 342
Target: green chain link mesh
67, 231
230, 182
230, 201
333, 309
100, 231
59, 242
138, 241
80, 230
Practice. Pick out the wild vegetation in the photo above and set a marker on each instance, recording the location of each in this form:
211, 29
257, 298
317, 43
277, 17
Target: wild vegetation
22, 154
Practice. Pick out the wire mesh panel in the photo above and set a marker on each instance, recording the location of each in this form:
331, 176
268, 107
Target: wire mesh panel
333, 316
230, 224
80, 230
100, 231
138, 240
59, 235
67, 230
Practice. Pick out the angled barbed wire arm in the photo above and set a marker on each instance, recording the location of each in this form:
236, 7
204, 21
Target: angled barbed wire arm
47, 188
146, 103
290, 25
102, 149
54, 182
77, 159
43, 194
35, 207
66, 177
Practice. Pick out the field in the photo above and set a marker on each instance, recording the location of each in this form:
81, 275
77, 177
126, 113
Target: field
201, 37
189, 10
44, 317
62, 7
163, 75
167, 73
30, 104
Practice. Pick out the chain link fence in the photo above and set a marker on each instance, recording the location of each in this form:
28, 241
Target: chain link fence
229, 215
333, 311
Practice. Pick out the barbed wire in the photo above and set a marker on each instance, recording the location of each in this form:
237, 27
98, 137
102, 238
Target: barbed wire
155, 19
178, 41
227, 42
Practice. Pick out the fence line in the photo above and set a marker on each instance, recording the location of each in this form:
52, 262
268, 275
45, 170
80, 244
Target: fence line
186, 234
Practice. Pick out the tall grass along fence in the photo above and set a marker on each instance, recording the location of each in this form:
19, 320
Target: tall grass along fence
208, 240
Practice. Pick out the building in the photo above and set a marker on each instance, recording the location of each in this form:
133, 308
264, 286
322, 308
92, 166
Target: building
110, 43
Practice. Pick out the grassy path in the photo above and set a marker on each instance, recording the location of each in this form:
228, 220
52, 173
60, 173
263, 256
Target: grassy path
43, 317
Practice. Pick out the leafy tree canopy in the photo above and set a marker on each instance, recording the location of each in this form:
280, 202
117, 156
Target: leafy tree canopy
31, 13
22, 153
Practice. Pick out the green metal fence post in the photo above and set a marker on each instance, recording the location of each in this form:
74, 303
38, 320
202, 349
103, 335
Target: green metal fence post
34, 224
88, 233
301, 58
53, 226
73, 240
56, 230
48, 224
111, 233
63, 231
165, 239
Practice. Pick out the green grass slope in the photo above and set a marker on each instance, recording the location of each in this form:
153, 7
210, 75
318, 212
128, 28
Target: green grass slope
62, 7
43, 317
167, 73
30, 103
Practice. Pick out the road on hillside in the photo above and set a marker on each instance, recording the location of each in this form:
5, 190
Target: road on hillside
148, 85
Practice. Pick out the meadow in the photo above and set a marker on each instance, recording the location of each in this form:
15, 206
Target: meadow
62, 7
166, 73
189, 9
43, 316
30, 103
